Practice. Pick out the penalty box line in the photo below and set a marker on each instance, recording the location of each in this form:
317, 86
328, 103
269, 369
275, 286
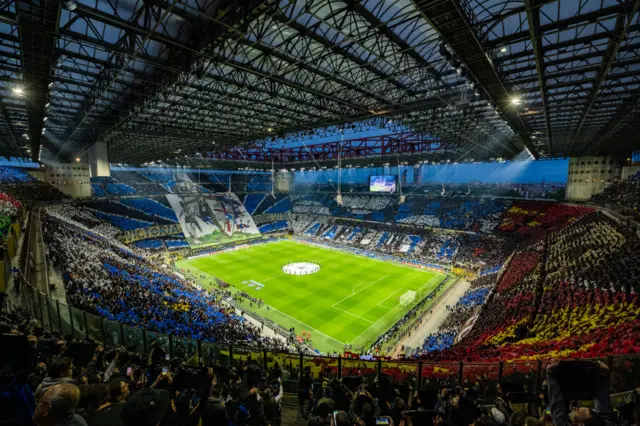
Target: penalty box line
354, 292
390, 310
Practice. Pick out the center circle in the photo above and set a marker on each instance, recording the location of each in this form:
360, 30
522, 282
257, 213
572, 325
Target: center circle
301, 268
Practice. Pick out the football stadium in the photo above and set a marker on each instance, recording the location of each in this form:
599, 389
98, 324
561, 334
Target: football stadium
319, 212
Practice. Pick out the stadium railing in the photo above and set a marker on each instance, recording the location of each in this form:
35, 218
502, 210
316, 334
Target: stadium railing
426, 376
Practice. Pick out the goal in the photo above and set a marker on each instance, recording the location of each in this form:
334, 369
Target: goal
407, 298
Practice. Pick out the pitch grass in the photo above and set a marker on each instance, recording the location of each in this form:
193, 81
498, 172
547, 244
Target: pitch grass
352, 299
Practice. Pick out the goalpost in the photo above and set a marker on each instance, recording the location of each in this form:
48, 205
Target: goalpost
407, 298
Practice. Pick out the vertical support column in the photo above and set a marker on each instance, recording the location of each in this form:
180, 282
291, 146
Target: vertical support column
339, 366
171, 346
264, 354
419, 376
500, 371
40, 308
300, 367
121, 335
49, 314
460, 376
538, 378
60, 317
86, 325
104, 335
99, 160
231, 356
73, 329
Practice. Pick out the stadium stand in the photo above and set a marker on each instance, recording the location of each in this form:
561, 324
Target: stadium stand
279, 225
281, 206
27, 189
15, 175
568, 291
625, 193
149, 244
253, 201
9, 209
122, 222
151, 207
424, 177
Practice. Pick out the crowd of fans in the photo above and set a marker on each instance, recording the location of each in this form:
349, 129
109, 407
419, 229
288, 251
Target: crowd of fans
459, 314
474, 251
625, 193
105, 278
50, 379
572, 293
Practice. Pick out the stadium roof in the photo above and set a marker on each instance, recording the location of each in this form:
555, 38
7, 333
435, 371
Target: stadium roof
154, 77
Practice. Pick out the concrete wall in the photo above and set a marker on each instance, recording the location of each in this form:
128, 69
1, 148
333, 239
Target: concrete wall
99, 159
70, 178
38, 174
591, 175
284, 181
629, 171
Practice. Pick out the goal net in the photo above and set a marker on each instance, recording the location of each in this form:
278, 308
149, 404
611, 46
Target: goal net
407, 298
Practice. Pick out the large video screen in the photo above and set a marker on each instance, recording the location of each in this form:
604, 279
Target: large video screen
382, 183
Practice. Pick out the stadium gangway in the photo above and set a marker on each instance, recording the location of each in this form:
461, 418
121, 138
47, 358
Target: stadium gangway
58, 317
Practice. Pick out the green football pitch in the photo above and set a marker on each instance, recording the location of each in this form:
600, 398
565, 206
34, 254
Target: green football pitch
352, 299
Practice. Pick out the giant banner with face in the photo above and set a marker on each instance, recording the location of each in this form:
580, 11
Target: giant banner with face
209, 218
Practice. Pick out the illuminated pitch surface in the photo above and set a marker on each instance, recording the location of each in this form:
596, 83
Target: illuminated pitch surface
351, 300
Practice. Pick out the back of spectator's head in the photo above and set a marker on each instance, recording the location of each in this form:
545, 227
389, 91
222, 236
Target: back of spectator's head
517, 418
398, 404
92, 397
342, 419
325, 407
236, 391
58, 403
145, 407
594, 420
61, 367
118, 390
532, 421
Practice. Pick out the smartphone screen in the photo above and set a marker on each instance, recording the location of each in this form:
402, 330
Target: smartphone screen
129, 371
383, 421
165, 370
166, 357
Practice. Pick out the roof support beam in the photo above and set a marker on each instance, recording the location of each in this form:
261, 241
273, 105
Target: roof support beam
447, 18
37, 26
533, 17
4, 115
558, 25
623, 22
208, 37
309, 32
397, 40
